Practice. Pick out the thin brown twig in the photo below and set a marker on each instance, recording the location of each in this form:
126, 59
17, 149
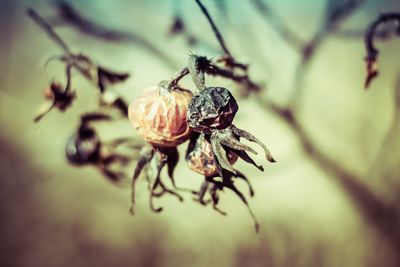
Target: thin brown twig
49, 30
179, 27
336, 13
382, 216
177, 77
229, 61
217, 33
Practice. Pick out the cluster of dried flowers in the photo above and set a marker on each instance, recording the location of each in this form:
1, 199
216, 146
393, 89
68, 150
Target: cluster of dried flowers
165, 116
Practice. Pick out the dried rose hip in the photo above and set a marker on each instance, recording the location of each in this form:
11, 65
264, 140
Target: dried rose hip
211, 112
200, 157
83, 147
159, 115
212, 108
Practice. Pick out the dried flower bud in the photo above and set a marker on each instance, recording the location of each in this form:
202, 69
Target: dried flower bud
56, 92
201, 158
83, 147
212, 108
159, 115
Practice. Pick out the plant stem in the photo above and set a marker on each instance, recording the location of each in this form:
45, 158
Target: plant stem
215, 29
48, 29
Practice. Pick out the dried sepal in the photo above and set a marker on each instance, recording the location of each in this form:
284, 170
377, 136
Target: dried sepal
215, 199
372, 72
248, 136
105, 77
200, 195
155, 159
244, 200
240, 175
220, 158
228, 139
43, 110
226, 182
244, 156
146, 154
56, 96
93, 117
115, 177
172, 162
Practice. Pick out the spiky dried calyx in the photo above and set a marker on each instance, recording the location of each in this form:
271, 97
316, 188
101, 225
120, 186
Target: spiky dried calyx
212, 108
159, 115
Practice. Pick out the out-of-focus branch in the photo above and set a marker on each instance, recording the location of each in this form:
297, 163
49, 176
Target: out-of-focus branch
178, 27
292, 38
392, 133
383, 217
217, 33
70, 16
243, 80
337, 11
278, 24
371, 50
214, 70
49, 30
222, 7
228, 59
60, 97
231, 65
383, 34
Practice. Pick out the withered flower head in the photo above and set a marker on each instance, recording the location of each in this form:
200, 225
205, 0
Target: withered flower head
212, 108
159, 115
62, 98
83, 147
56, 96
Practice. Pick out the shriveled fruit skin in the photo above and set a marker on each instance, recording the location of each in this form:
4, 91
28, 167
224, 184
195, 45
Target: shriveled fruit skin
212, 108
159, 116
201, 158
83, 148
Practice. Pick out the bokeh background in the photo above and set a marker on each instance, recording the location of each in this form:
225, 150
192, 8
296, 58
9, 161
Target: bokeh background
311, 214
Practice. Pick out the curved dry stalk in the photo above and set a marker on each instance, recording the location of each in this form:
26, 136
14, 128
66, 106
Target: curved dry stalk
371, 50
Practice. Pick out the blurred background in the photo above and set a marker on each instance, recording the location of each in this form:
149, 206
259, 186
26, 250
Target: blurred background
332, 199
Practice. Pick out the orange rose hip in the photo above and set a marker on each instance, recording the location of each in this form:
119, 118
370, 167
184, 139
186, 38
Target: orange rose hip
159, 115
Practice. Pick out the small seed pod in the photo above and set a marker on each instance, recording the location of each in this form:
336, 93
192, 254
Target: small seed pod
200, 157
212, 108
83, 147
159, 115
